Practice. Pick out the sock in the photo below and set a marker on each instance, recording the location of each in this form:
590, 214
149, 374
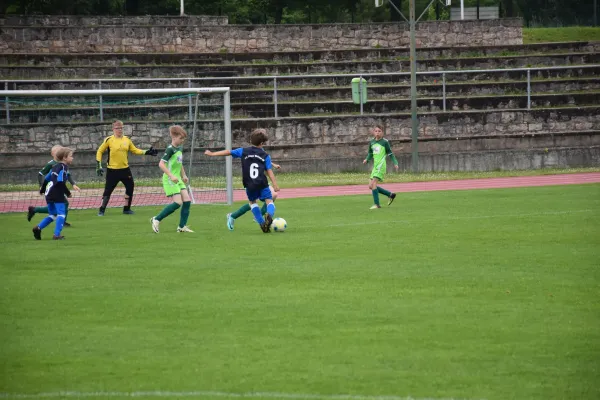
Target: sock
257, 215
60, 222
383, 191
185, 213
43, 210
240, 211
168, 210
45, 222
128, 206
105, 200
375, 196
271, 209
263, 209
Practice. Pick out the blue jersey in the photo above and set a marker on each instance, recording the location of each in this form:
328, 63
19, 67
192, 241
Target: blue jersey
54, 186
255, 161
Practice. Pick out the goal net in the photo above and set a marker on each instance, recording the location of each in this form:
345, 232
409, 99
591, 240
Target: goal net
33, 121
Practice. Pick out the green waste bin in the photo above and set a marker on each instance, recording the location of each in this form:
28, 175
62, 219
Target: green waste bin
359, 85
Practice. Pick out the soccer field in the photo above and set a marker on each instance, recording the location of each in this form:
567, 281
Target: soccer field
484, 294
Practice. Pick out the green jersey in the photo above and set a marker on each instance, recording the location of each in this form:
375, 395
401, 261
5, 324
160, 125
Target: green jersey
47, 168
378, 151
173, 157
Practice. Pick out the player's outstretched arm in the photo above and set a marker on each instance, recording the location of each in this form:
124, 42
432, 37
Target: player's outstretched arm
217, 153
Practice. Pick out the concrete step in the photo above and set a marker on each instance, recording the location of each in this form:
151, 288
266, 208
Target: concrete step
46, 114
340, 67
300, 81
353, 55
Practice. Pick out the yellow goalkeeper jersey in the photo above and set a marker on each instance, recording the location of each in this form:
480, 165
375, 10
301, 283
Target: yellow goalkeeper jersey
118, 149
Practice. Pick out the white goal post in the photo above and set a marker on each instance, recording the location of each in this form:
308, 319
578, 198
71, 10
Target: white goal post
35, 120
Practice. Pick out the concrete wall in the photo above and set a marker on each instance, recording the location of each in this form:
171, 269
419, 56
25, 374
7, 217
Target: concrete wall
188, 36
480, 140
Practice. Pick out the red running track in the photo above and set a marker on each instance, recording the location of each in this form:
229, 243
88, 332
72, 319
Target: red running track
20, 205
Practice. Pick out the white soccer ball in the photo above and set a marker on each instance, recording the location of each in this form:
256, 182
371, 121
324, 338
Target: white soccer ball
279, 225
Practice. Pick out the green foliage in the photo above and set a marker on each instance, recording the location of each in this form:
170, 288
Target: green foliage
534, 12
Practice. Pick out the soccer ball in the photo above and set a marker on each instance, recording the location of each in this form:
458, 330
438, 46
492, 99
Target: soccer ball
279, 225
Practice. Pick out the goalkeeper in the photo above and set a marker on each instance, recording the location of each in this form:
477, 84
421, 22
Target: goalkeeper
117, 165
31, 211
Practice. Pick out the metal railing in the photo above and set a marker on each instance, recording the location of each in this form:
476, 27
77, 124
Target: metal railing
275, 78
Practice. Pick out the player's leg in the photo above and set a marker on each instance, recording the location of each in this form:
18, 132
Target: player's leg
231, 217
60, 220
185, 210
37, 230
66, 224
112, 179
267, 197
374, 191
31, 211
174, 193
274, 195
127, 179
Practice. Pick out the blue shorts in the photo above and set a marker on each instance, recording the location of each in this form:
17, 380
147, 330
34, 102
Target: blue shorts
261, 194
57, 209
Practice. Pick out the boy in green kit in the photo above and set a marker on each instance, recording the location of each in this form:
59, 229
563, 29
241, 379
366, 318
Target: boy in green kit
379, 149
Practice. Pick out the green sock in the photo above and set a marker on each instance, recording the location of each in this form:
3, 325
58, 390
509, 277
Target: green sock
240, 211
384, 192
185, 213
43, 210
168, 210
375, 196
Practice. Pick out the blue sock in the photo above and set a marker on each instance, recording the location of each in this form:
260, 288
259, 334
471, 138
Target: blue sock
256, 211
60, 222
45, 222
271, 209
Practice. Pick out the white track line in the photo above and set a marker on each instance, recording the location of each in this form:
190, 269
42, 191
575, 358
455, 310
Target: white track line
251, 395
421, 220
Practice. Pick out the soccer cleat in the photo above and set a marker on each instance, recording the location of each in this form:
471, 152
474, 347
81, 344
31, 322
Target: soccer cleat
155, 223
184, 229
37, 233
266, 226
374, 207
101, 213
230, 222
67, 225
30, 213
392, 197
54, 237
128, 212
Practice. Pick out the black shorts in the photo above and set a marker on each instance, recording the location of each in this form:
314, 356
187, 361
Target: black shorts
114, 176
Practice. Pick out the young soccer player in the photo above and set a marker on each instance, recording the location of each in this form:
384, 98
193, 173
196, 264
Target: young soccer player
31, 211
55, 190
231, 217
379, 149
174, 181
255, 163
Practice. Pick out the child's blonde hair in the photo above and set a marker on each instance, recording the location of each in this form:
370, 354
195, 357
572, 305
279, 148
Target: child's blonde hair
63, 153
177, 131
54, 150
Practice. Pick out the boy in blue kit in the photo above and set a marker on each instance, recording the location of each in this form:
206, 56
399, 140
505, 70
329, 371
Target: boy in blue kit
255, 164
55, 189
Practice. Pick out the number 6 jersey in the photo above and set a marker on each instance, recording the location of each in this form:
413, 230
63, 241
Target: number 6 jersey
255, 161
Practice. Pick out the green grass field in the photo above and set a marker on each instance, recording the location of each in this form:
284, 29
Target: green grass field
486, 294
564, 34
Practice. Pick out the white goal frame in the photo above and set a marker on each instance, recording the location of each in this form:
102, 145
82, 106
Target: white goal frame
171, 91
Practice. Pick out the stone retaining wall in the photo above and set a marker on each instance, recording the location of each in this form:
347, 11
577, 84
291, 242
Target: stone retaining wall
189, 36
